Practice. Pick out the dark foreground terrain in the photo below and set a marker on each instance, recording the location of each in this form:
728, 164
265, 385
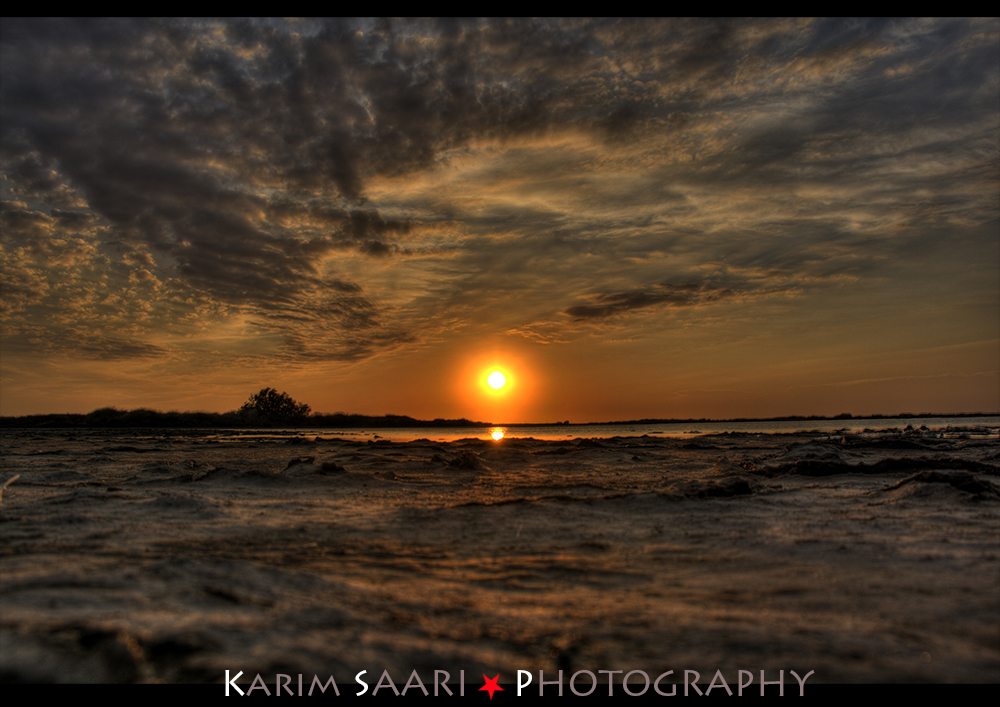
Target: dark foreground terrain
139, 557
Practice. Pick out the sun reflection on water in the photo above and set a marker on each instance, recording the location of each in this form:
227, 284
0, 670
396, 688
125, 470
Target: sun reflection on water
497, 433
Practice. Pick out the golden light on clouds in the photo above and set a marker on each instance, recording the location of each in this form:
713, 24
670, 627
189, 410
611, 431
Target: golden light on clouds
662, 209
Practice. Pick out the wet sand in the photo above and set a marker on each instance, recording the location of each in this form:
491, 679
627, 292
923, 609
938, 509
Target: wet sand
139, 557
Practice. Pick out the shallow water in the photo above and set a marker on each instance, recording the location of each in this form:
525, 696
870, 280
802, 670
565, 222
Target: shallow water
942, 426
173, 556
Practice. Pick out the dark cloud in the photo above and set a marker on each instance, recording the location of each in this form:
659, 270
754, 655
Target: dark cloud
664, 295
232, 162
350, 346
668, 295
85, 344
112, 349
377, 248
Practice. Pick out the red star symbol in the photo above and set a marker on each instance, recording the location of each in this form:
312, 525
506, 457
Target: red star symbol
491, 685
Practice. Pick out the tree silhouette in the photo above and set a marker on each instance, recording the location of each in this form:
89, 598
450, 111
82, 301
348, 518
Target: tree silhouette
271, 404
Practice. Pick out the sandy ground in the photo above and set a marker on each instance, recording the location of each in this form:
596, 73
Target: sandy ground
129, 557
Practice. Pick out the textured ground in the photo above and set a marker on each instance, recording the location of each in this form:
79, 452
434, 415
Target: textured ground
131, 557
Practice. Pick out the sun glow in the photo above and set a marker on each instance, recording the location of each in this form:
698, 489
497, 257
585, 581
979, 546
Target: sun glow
497, 385
498, 381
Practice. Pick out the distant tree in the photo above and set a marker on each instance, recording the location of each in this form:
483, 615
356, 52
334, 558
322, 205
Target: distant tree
271, 404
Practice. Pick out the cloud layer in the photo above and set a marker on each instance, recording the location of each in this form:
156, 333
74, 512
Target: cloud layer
326, 191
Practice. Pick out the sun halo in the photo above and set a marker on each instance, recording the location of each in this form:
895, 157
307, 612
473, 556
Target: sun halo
481, 401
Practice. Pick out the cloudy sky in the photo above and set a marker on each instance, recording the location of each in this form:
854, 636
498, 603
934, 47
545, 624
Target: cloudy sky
629, 218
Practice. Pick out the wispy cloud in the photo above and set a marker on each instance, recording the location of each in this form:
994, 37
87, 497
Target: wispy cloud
345, 188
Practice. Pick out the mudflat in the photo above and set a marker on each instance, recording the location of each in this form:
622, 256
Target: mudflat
136, 556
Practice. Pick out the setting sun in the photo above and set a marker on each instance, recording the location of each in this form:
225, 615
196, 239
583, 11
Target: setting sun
498, 384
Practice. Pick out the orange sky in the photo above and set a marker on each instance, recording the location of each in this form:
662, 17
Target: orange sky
642, 219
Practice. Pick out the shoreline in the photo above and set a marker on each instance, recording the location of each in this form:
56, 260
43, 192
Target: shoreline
219, 421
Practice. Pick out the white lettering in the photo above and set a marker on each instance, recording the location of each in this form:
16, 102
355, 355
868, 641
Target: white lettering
520, 684
237, 687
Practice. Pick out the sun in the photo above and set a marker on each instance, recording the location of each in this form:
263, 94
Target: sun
497, 386
496, 380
